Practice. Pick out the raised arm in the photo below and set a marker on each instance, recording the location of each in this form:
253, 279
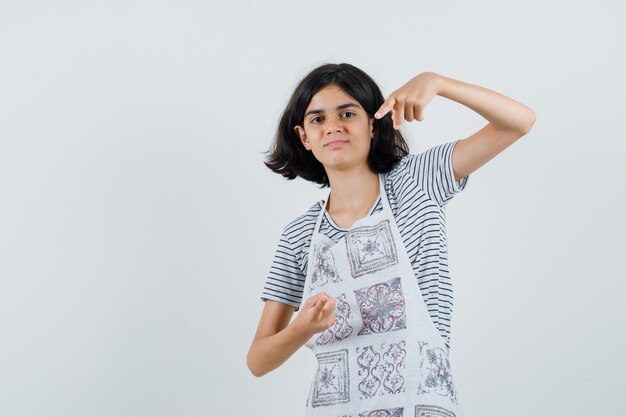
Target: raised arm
508, 119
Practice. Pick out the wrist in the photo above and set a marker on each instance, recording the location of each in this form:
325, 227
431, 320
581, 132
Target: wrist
299, 331
442, 84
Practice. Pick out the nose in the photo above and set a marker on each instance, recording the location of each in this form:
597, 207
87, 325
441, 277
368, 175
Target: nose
333, 125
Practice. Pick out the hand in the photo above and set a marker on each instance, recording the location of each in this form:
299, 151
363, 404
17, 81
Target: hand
408, 102
317, 313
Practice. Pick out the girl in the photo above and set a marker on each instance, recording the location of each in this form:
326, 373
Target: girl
367, 267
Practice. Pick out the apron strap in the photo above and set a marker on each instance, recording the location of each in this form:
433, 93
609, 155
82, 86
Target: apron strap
322, 211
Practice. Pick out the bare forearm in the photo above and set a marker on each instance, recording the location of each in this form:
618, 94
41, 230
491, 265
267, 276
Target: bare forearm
268, 353
501, 111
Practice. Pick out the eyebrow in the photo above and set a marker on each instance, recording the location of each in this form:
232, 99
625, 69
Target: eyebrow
340, 107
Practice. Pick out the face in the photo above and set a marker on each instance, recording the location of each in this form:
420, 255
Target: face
336, 129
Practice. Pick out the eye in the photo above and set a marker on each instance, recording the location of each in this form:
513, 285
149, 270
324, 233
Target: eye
349, 114
315, 119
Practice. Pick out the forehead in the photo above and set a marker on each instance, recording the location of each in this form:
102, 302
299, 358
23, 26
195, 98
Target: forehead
330, 97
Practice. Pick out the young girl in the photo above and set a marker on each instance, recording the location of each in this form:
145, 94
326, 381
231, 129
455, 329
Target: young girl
367, 267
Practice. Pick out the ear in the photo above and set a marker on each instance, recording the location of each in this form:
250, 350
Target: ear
372, 120
302, 134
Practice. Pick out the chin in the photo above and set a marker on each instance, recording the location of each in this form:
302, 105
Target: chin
341, 162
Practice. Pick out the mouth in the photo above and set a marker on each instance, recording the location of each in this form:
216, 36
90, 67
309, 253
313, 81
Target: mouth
335, 143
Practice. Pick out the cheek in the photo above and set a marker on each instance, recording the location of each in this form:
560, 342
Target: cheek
312, 129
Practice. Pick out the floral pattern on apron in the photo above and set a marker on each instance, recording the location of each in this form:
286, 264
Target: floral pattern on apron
383, 356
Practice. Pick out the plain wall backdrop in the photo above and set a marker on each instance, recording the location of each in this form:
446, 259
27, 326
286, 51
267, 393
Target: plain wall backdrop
138, 222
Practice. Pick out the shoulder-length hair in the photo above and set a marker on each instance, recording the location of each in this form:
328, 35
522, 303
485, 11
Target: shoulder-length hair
291, 159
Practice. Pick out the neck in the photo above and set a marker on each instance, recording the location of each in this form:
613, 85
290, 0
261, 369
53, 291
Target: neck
353, 189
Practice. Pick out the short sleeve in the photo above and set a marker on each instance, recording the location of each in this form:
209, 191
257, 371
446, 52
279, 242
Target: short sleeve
285, 280
432, 169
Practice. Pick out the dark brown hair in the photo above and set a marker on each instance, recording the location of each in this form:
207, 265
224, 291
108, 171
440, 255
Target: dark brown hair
291, 159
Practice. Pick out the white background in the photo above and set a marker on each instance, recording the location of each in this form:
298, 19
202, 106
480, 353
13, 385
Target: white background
138, 222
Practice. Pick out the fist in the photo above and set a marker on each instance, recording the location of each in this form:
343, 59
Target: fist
317, 313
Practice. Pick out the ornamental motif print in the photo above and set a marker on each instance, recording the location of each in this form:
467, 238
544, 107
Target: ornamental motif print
435, 376
341, 329
371, 248
383, 412
332, 382
382, 307
386, 412
323, 264
432, 411
381, 369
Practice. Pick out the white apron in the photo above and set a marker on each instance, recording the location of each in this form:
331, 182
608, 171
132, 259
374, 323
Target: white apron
383, 357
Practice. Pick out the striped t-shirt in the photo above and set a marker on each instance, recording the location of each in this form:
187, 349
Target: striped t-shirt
418, 188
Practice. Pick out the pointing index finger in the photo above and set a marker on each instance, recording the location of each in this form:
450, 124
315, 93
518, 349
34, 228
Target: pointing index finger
385, 108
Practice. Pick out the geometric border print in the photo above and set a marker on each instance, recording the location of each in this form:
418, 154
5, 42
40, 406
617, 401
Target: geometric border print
323, 264
371, 248
381, 369
332, 380
432, 411
341, 329
382, 307
386, 412
435, 376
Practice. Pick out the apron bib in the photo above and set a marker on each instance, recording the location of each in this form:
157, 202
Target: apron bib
383, 356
